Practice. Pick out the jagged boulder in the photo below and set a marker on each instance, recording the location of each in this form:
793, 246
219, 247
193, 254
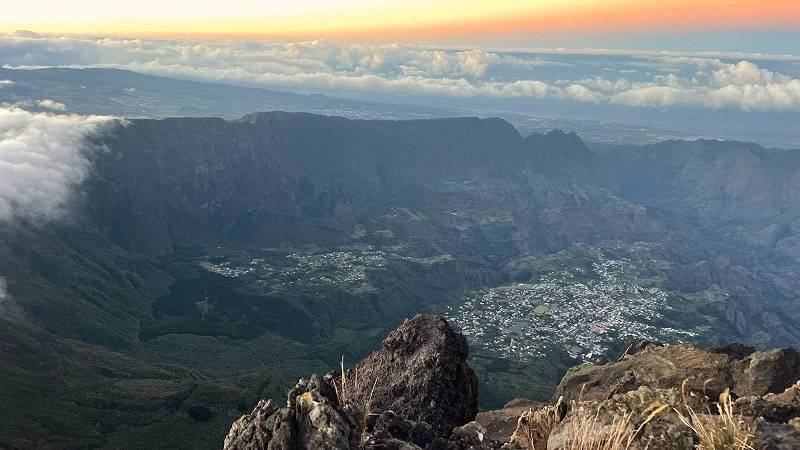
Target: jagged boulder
387, 431
534, 426
653, 366
267, 427
781, 408
391, 432
472, 436
424, 390
710, 372
311, 420
422, 375
778, 436
501, 423
763, 372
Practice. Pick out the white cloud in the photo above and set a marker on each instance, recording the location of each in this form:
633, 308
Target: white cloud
7, 308
657, 96
4, 83
708, 55
27, 34
42, 158
3, 293
700, 80
742, 85
744, 73
52, 105
4, 298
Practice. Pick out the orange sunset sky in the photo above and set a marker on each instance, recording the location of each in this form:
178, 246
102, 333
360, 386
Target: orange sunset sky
380, 19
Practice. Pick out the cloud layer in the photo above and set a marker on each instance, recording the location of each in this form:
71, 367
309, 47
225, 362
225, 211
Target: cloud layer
638, 79
42, 158
52, 105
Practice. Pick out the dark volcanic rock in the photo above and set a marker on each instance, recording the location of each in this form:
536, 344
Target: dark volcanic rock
309, 421
424, 390
765, 372
709, 372
780, 408
779, 436
429, 393
501, 423
268, 426
471, 436
422, 374
635, 346
666, 433
735, 350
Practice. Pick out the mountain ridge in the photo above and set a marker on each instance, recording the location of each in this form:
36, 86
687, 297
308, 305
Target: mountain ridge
242, 254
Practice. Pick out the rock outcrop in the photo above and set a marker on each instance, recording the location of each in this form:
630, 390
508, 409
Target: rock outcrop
601, 417
421, 373
658, 397
313, 418
501, 423
665, 367
780, 408
416, 392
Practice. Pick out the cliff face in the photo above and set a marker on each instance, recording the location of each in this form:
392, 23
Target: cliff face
278, 177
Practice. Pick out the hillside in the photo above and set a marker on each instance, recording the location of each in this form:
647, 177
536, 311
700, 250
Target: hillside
208, 263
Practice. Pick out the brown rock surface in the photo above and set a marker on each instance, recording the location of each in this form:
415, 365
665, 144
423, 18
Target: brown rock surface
424, 395
421, 374
662, 432
501, 423
668, 366
780, 408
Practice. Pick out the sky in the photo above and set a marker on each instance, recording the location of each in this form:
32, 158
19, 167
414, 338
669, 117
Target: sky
717, 65
499, 22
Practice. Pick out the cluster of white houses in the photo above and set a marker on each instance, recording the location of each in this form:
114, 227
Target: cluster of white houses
580, 313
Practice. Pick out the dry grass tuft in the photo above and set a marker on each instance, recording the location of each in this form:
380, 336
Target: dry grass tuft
722, 431
591, 434
347, 389
585, 433
534, 427
717, 429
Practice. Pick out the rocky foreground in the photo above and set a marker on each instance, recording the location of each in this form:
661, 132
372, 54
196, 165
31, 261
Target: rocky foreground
418, 392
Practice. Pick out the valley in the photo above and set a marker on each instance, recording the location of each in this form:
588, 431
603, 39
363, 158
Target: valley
208, 263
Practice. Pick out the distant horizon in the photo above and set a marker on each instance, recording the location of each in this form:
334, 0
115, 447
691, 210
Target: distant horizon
771, 26
575, 49
710, 67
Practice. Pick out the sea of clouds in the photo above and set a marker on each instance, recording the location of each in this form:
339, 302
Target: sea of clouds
634, 79
43, 157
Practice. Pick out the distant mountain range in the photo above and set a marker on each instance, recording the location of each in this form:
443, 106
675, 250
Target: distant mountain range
124, 93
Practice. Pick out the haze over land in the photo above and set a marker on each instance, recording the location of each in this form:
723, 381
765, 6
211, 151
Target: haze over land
719, 94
